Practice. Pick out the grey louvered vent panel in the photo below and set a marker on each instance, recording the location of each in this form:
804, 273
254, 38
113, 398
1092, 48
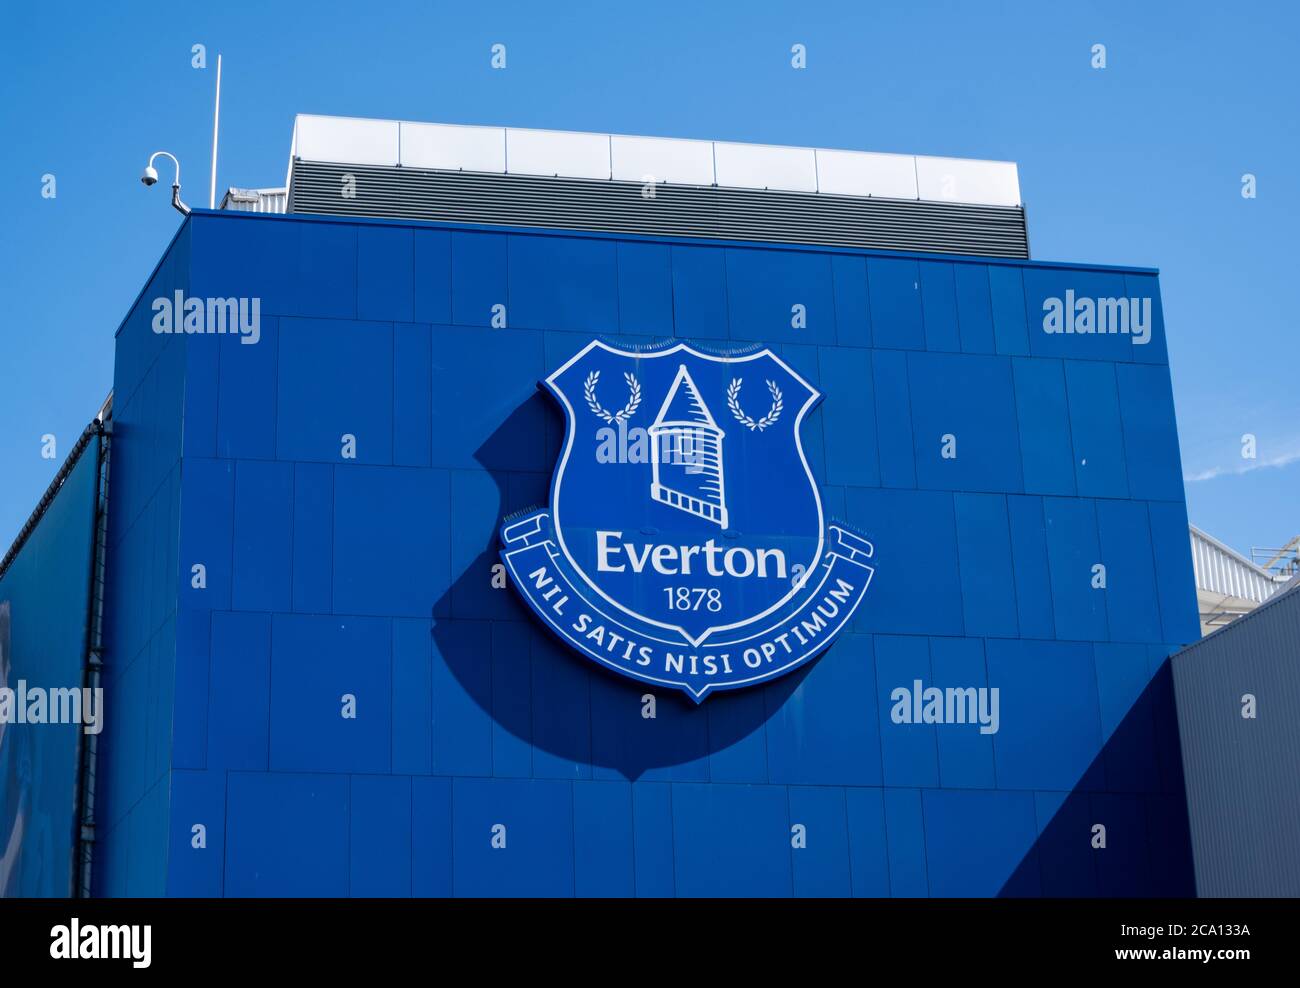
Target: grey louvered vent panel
678, 210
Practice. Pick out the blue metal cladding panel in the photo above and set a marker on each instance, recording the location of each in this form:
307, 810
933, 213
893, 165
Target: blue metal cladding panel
1043, 285
487, 411
602, 839
905, 839
313, 544
1173, 553
1007, 298
626, 742
1032, 571
738, 753
1127, 718
512, 701
652, 834
331, 694
391, 543
44, 603
909, 751
206, 533
820, 852
1052, 690
431, 864
893, 419
849, 432
1100, 468
1142, 286
190, 719
1132, 610
245, 401
1123, 868
965, 429
965, 757
512, 837
379, 836
155, 374
197, 835
923, 521
897, 320
432, 278
412, 395
645, 289
985, 561
287, 834
412, 697
852, 307
461, 703
939, 306
778, 284
999, 824
1150, 434
723, 836
478, 278
261, 575
239, 692
386, 273
868, 846
825, 732
1046, 453
336, 385
1066, 857
568, 286
560, 725
352, 701
1074, 556
700, 293
975, 308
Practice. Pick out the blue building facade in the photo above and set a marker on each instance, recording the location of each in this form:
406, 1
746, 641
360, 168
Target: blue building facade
1022, 490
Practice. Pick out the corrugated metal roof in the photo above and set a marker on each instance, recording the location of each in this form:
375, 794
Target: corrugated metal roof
1222, 570
256, 200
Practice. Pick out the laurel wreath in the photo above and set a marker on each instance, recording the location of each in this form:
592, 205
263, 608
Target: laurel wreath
774, 413
628, 410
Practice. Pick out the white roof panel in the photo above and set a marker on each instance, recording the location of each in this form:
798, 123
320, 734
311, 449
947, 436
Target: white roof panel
859, 173
456, 148
571, 154
557, 152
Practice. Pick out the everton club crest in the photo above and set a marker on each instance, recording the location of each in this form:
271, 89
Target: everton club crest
685, 544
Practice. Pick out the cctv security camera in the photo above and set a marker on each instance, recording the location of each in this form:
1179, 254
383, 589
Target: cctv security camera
150, 177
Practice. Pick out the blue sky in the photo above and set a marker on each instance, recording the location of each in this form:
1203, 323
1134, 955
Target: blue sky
1138, 163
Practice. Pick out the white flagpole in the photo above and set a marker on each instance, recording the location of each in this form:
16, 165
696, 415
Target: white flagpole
216, 119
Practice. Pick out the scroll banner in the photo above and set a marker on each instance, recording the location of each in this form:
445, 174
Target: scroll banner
743, 655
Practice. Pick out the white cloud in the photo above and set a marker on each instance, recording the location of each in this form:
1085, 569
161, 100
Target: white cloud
1247, 466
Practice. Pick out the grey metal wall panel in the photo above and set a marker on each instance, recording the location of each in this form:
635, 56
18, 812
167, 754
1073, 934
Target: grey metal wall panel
676, 210
1243, 775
